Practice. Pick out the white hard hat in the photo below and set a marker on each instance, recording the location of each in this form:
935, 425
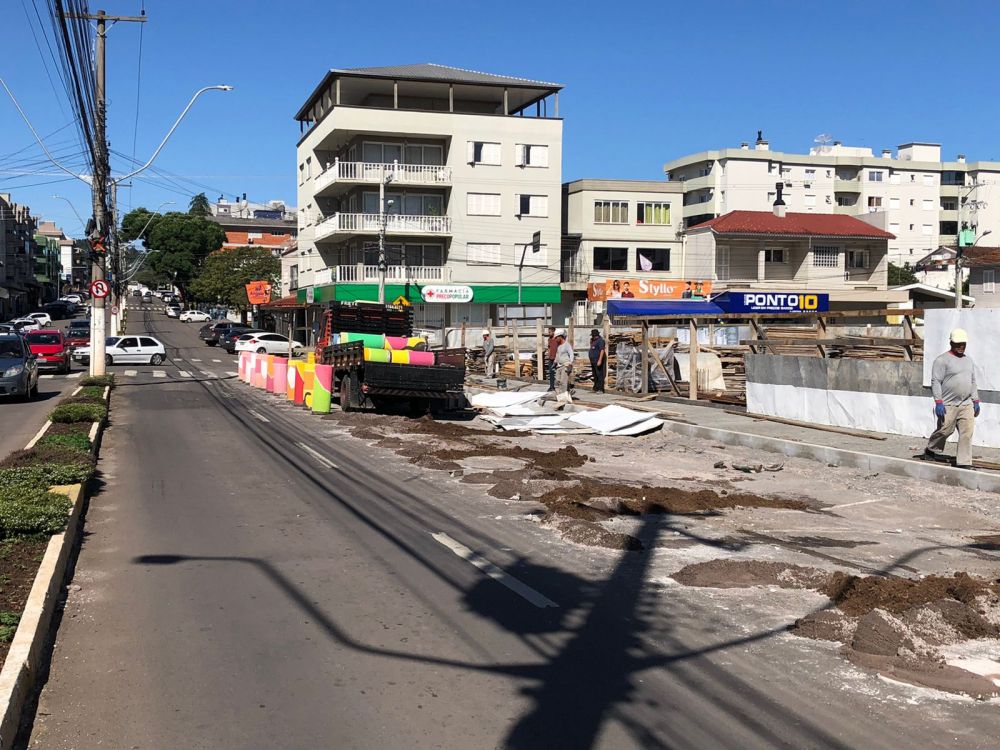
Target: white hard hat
561, 332
959, 336
486, 332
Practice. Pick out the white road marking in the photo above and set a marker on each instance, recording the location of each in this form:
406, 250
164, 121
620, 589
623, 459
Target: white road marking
184, 373
862, 502
217, 360
74, 375
159, 374
196, 360
47, 376
231, 374
259, 416
318, 456
130, 373
491, 570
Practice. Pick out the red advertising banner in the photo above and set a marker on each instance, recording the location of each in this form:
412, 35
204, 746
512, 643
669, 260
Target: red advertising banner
650, 289
259, 292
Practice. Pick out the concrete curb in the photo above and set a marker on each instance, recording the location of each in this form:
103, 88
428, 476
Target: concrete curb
928, 472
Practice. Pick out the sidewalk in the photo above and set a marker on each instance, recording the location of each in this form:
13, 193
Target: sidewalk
894, 455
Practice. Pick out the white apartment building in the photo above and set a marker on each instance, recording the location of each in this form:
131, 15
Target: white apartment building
911, 194
456, 169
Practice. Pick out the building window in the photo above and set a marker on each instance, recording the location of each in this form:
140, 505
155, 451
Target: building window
293, 277
484, 152
775, 255
893, 203
857, 259
809, 200
894, 228
949, 205
610, 258
528, 155
423, 255
927, 229
652, 258
874, 202
928, 204
483, 204
842, 200
611, 212
302, 174
309, 168
533, 205
810, 174
652, 213
989, 282
911, 227
826, 256
425, 154
484, 253
875, 175
928, 179
541, 258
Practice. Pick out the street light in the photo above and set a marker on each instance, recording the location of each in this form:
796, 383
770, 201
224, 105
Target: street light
958, 268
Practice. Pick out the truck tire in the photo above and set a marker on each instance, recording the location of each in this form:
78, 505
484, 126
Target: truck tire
350, 399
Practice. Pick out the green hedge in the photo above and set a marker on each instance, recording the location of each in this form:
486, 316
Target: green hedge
25, 511
101, 380
44, 474
81, 398
94, 391
79, 413
74, 441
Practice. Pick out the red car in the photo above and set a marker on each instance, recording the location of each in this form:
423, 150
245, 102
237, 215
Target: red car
78, 334
49, 348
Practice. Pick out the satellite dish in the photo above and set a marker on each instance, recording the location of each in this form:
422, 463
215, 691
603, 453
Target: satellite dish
822, 141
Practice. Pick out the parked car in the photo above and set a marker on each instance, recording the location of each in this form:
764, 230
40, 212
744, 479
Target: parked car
78, 333
194, 316
25, 324
210, 334
228, 339
267, 343
61, 310
127, 349
49, 348
18, 368
7, 328
43, 318
173, 310
74, 297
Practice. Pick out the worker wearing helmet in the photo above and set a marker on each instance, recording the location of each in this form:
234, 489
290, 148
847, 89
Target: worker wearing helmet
956, 401
489, 354
564, 368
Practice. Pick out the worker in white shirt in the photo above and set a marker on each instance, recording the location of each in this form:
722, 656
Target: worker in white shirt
490, 354
564, 368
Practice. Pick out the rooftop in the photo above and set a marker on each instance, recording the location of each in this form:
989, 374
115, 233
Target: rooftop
638, 186
981, 256
792, 225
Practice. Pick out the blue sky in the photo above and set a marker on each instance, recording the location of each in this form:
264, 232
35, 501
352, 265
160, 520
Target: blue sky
646, 81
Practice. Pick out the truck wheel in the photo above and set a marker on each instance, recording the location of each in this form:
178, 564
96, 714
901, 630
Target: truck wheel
418, 407
349, 400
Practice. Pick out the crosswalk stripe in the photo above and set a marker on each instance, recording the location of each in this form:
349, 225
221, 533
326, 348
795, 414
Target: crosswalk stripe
159, 374
47, 376
184, 373
209, 375
74, 375
231, 374
131, 373
217, 360
196, 360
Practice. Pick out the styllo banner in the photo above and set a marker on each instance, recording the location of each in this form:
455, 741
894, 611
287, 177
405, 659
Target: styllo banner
648, 289
259, 292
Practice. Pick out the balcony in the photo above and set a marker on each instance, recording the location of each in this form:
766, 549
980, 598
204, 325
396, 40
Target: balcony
347, 225
699, 182
842, 185
346, 173
360, 273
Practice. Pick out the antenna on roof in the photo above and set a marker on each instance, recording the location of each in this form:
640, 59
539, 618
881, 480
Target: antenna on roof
822, 142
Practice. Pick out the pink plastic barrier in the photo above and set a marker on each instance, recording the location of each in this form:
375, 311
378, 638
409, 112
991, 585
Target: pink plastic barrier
421, 358
269, 381
279, 383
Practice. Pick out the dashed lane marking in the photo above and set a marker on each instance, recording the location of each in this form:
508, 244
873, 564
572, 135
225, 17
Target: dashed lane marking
184, 373
74, 374
159, 374
231, 374
196, 360
218, 361
318, 456
47, 376
491, 570
131, 373
258, 415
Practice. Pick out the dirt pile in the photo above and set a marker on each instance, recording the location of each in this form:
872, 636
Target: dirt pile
858, 595
563, 458
734, 574
595, 535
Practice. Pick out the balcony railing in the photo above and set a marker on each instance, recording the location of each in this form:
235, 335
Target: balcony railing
360, 272
358, 172
348, 224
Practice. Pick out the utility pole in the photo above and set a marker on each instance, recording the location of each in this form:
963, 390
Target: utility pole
386, 179
100, 182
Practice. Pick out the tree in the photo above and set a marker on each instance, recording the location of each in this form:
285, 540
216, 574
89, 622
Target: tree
199, 206
225, 274
902, 275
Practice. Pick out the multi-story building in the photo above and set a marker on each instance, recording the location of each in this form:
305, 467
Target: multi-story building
19, 291
49, 241
921, 199
457, 171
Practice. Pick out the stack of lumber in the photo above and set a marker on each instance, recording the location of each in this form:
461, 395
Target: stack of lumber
777, 334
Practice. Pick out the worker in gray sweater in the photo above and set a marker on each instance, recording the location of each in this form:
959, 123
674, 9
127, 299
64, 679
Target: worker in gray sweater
956, 400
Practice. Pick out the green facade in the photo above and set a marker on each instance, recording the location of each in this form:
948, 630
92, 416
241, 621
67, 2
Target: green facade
481, 294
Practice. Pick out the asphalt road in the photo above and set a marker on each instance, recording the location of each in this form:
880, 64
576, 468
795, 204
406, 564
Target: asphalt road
252, 579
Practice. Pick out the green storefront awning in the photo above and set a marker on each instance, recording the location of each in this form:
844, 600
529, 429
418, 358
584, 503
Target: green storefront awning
481, 294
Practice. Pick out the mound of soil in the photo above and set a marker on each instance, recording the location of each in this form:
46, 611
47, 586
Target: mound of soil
826, 625
564, 458
595, 535
858, 595
731, 574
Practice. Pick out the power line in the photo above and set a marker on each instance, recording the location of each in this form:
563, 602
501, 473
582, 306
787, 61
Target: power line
138, 91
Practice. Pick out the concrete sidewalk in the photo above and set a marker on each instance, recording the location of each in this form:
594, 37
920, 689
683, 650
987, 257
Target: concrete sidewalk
894, 455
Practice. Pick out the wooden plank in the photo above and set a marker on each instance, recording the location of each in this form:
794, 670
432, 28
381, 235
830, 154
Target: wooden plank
849, 341
645, 357
810, 425
626, 320
693, 361
540, 369
663, 369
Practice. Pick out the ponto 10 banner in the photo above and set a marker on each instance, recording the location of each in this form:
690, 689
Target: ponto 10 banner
649, 289
776, 302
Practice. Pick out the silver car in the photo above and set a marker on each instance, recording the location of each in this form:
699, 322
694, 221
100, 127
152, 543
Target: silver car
18, 367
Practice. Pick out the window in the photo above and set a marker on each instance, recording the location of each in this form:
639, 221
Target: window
826, 256
912, 202
894, 228
928, 179
484, 152
532, 205
857, 259
610, 212
293, 277
302, 173
483, 253
431, 155
775, 255
949, 205
541, 258
842, 200
809, 200
610, 258
652, 259
652, 213
894, 178
484, 204
875, 175
143, 341
418, 204
874, 202
810, 174
911, 227
989, 282
913, 178
894, 203
928, 204
381, 153
129, 343
527, 155
927, 229
309, 168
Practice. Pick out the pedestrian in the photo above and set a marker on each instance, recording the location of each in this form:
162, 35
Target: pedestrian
598, 359
553, 346
956, 400
564, 369
490, 354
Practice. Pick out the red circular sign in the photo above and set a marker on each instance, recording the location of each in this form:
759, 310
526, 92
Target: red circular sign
100, 289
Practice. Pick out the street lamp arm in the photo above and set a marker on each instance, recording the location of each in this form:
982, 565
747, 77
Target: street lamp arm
170, 132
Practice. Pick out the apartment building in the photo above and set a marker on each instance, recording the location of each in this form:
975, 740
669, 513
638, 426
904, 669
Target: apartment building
19, 291
922, 198
48, 259
456, 170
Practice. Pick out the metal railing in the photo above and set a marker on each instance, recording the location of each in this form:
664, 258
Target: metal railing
372, 224
359, 272
373, 172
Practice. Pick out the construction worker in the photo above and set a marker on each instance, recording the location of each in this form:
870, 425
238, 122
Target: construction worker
564, 368
956, 401
553, 347
598, 359
489, 353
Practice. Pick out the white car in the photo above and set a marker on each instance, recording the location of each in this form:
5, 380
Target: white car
125, 349
195, 316
25, 324
173, 312
43, 318
267, 343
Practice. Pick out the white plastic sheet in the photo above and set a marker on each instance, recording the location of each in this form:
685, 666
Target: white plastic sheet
983, 327
503, 399
610, 419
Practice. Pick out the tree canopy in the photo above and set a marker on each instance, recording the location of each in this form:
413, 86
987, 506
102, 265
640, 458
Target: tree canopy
199, 206
901, 275
225, 274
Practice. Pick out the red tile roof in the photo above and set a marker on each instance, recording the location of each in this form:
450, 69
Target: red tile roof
242, 239
981, 256
793, 224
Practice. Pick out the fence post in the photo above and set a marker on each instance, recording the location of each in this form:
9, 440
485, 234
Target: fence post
540, 371
693, 360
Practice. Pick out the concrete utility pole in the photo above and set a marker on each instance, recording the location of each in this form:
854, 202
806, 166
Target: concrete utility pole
386, 179
100, 183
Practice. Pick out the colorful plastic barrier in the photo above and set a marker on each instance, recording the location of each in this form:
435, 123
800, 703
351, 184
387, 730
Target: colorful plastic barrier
322, 395
290, 381
260, 372
421, 358
279, 384
377, 355
298, 389
308, 380
242, 369
269, 380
